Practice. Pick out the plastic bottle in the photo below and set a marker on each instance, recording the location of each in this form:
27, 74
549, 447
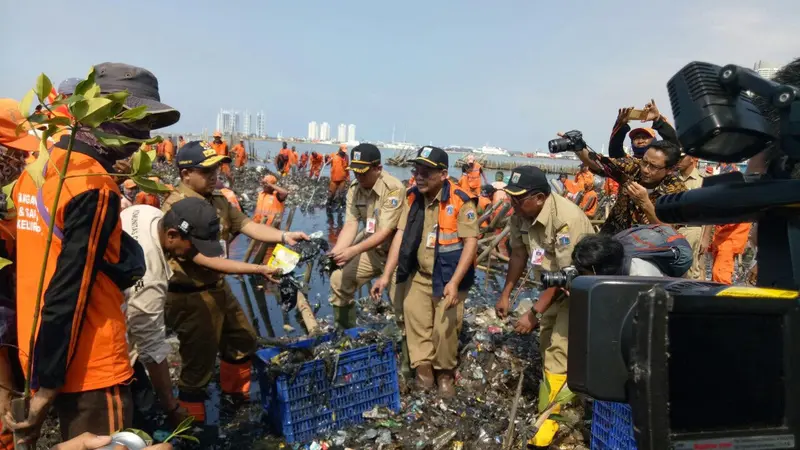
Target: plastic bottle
126, 438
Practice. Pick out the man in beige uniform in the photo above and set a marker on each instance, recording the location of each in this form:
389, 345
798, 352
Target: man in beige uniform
544, 230
434, 251
200, 306
375, 201
688, 173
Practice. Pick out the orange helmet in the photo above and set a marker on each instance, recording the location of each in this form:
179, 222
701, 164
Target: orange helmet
129, 184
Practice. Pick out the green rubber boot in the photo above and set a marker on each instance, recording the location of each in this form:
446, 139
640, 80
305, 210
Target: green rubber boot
344, 316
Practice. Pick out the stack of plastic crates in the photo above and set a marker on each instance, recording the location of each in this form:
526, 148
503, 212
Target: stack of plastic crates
302, 405
612, 426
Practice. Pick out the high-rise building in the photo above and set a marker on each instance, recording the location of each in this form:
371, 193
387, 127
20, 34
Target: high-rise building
226, 121
261, 126
313, 131
325, 132
351, 133
766, 70
246, 130
341, 135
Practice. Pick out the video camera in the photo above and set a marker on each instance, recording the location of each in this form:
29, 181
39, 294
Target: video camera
705, 365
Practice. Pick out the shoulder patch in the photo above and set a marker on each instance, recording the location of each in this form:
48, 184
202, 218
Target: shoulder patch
450, 210
394, 202
471, 215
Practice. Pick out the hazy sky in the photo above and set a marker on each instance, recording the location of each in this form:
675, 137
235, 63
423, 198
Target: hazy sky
468, 72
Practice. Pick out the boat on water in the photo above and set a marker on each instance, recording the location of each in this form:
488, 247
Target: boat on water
489, 150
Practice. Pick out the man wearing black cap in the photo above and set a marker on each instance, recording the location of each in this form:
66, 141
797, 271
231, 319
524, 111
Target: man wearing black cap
200, 305
374, 200
190, 227
434, 254
83, 367
544, 230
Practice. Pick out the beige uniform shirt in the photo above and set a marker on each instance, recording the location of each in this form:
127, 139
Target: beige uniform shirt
693, 180
186, 272
467, 228
550, 238
144, 302
378, 208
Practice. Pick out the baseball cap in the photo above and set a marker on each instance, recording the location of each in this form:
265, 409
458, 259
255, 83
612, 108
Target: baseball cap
527, 179
364, 156
10, 119
198, 154
432, 157
648, 131
217, 134
198, 220
142, 87
129, 184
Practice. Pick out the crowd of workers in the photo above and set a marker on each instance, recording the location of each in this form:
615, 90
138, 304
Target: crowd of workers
125, 268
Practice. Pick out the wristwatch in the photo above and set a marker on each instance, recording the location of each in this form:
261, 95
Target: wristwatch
537, 314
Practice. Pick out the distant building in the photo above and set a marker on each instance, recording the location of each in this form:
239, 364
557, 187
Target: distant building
766, 70
246, 130
226, 121
341, 135
351, 133
261, 125
325, 132
313, 131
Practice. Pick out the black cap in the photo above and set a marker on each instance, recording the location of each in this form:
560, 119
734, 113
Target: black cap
142, 87
527, 179
432, 157
198, 221
198, 155
364, 156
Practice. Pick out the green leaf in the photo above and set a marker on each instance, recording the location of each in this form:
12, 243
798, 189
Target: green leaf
7, 190
93, 91
133, 114
118, 97
150, 186
5, 262
93, 111
59, 121
565, 396
25, 104
84, 85
141, 163
36, 168
43, 87
115, 140
72, 99
188, 438
557, 418
145, 437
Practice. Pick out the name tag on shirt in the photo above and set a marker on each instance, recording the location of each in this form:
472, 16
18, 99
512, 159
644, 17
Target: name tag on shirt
430, 242
371, 223
537, 256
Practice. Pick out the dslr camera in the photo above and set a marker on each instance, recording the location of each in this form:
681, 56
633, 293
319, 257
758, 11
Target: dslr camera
571, 141
559, 278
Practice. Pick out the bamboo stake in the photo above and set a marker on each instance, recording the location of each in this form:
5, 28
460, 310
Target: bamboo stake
507, 442
494, 243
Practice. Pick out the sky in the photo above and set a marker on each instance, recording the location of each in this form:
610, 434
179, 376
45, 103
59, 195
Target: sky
468, 72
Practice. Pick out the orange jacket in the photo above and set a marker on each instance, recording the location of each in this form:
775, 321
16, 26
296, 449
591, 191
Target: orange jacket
473, 176
221, 148
293, 158
269, 206
582, 178
143, 198
610, 187
732, 237
181, 143
316, 164
589, 198
572, 187
81, 341
339, 168
231, 196
169, 150
240, 155
160, 148
483, 204
303, 160
285, 152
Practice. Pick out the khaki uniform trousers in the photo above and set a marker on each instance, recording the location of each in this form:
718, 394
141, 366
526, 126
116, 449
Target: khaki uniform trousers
356, 273
431, 330
554, 336
207, 323
694, 235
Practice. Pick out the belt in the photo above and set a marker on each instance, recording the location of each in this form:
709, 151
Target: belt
187, 289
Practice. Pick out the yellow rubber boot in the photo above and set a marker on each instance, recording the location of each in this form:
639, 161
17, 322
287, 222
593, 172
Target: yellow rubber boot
548, 390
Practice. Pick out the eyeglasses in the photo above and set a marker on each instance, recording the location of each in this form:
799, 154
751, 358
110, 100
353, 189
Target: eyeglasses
518, 200
424, 173
650, 166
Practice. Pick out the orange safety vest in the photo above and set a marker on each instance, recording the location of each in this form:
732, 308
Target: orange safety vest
97, 350
474, 177
339, 168
581, 178
316, 163
483, 204
240, 155
585, 201
144, 198
611, 187
268, 206
221, 148
293, 158
160, 149
231, 196
571, 186
169, 150
303, 160
449, 245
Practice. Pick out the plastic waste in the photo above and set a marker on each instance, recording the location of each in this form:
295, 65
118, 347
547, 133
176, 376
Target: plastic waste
127, 439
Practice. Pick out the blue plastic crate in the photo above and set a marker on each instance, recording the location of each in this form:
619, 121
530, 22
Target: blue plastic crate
306, 404
612, 426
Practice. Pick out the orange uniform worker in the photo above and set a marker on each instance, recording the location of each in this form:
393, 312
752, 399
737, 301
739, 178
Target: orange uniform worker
729, 240
283, 161
339, 174
129, 192
316, 164
239, 154
473, 177
221, 147
583, 177
81, 364
160, 150
270, 201
181, 142
589, 201
145, 198
226, 191
169, 150
294, 157
303, 161
610, 187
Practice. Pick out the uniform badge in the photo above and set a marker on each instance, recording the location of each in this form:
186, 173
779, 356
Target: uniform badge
426, 152
515, 177
563, 239
450, 210
394, 201
470, 215
356, 156
184, 226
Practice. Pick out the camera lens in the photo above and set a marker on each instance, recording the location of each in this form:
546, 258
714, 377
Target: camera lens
559, 145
